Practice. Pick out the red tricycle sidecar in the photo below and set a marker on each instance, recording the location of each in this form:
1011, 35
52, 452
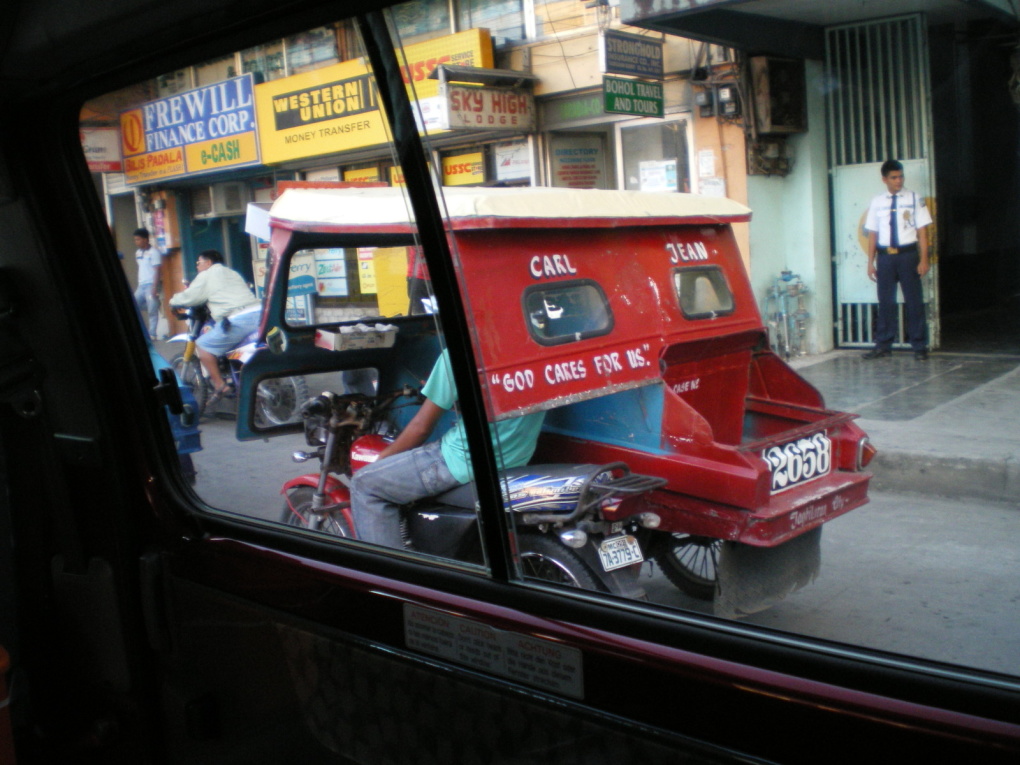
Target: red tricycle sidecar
629, 318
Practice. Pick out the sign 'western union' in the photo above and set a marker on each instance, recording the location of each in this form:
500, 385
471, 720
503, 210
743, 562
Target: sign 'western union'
321, 103
337, 108
319, 112
199, 131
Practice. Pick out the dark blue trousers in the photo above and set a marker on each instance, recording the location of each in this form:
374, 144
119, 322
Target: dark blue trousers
901, 269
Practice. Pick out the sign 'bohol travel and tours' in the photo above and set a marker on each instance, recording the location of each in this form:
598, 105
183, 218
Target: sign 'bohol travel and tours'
198, 131
624, 96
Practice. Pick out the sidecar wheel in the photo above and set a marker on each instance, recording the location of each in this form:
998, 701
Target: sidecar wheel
190, 373
301, 499
279, 400
689, 562
544, 558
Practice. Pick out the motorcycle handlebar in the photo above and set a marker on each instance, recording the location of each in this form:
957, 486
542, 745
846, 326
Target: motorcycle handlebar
325, 403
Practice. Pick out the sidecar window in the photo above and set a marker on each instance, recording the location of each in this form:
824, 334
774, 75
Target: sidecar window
566, 312
338, 284
703, 292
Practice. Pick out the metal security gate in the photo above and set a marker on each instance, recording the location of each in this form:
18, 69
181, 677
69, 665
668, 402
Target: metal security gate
878, 108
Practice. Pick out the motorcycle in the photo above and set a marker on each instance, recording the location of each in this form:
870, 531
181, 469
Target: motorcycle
279, 399
577, 525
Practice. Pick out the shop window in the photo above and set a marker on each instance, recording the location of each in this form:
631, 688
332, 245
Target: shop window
217, 70
422, 20
656, 156
564, 313
174, 82
266, 62
503, 18
311, 50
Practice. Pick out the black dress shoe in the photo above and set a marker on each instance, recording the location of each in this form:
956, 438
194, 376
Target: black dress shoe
877, 353
921, 355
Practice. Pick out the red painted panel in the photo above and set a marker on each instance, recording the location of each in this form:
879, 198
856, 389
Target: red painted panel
634, 266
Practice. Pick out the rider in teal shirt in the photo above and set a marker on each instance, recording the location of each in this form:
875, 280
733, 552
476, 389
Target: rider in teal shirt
412, 468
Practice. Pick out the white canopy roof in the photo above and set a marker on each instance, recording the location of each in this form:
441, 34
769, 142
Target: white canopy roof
488, 207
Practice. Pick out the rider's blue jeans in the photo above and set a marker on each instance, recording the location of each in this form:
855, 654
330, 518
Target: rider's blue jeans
218, 341
378, 490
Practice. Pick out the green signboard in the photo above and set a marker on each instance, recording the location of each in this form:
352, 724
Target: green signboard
636, 97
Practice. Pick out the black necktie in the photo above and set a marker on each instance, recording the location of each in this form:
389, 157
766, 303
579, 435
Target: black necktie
894, 239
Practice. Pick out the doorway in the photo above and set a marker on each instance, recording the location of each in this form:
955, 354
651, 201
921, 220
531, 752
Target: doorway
977, 131
879, 111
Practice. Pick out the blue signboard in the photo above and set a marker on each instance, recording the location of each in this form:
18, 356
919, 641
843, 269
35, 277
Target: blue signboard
635, 55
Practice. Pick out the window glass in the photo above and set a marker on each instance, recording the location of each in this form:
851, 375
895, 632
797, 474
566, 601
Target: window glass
267, 62
174, 82
351, 284
562, 313
357, 328
422, 20
656, 156
503, 18
311, 50
702, 292
222, 68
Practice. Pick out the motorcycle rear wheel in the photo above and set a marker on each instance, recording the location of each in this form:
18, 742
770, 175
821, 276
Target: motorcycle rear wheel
190, 373
544, 558
690, 563
279, 400
301, 500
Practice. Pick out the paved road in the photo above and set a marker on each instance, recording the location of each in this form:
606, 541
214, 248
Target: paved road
907, 573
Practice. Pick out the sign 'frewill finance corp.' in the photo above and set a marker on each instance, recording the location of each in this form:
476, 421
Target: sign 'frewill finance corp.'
198, 131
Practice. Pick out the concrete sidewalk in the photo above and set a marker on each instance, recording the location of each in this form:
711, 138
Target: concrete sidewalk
949, 426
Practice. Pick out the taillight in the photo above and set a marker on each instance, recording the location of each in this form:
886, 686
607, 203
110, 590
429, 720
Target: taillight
865, 452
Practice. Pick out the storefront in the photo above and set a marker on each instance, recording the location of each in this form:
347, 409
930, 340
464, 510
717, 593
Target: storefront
326, 126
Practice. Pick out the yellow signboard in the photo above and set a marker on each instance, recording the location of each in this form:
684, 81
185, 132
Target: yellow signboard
337, 108
319, 112
362, 175
470, 48
213, 155
366, 271
464, 169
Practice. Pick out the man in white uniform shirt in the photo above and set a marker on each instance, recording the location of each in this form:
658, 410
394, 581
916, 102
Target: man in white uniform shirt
233, 307
897, 225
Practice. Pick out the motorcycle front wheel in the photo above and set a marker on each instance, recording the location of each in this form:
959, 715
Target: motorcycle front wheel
690, 563
279, 400
300, 499
190, 373
542, 557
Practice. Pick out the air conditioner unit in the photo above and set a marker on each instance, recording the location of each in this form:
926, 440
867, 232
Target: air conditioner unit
219, 200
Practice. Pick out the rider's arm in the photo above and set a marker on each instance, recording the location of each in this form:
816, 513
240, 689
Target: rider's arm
418, 429
196, 293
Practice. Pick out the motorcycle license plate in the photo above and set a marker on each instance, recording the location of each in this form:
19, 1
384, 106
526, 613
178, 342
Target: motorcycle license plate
617, 552
799, 461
